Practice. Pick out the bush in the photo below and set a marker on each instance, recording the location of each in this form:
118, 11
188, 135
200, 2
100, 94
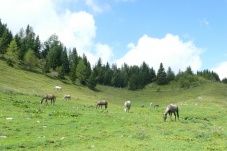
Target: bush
9, 62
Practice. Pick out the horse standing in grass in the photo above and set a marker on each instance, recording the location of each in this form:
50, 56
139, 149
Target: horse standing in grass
127, 106
156, 105
50, 97
57, 88
101, 103
67, 97
171, 108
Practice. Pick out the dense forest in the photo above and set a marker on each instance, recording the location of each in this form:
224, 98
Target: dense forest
25, 50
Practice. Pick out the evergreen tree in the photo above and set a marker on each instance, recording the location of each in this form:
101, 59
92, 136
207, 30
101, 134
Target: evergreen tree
30, 59
125, 75
92, 81
152, 75
99, 71
12, 52
87, 67
73, 57
72, 74
81, 72
54, 56
224, 80
5, 38
135, 80
145, 74
46, 67
161, 75
107, 74
188, 71
65, 62
73, 62
61, 74
26, 39
170, 75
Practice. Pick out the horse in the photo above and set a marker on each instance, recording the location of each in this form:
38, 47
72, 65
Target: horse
156, 105
101, 103
127, 106
171, 108
57, 88
50, 97
67, 97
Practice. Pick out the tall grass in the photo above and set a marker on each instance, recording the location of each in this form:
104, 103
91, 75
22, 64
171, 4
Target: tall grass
75, 124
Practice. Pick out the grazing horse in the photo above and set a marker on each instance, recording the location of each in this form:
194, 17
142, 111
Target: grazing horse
67, 97
50, 97
172, 108
101, 103
57, 88
156, 105
127, 106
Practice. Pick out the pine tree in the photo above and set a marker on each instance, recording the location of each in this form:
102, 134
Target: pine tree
30, 59
92, 81
5, 38
161, 75
72, 74
170, 75
65, 62
81, 72
12, 52
46, 67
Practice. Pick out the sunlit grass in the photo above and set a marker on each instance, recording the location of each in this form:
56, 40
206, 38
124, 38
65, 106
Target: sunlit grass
75, 124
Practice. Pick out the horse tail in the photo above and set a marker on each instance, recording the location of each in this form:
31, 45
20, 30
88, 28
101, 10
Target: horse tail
177, 113
106, 104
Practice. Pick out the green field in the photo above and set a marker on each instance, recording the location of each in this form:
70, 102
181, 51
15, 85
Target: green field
75, 124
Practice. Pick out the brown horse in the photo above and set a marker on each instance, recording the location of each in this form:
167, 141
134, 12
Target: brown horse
50, 97
172, 108
101, 103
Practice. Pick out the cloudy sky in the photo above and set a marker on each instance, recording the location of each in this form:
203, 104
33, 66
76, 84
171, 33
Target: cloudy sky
177, 33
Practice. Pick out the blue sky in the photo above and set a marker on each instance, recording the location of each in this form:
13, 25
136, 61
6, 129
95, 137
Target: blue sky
177, 33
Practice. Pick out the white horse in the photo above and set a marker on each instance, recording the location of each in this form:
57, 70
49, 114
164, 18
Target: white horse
67, 97
127, 106
172, 108
57, 88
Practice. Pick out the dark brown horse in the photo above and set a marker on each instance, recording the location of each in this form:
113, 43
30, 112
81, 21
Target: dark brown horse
172, 108
101, 103
50, 97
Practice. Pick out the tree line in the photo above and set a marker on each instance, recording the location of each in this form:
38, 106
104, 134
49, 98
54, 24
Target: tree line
26, 50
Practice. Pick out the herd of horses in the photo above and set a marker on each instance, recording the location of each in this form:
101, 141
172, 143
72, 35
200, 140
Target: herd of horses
170, 109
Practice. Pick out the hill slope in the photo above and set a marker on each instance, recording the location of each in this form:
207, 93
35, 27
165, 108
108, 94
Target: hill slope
76, 124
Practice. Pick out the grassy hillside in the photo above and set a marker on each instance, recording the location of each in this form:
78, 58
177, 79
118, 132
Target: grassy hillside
75, 124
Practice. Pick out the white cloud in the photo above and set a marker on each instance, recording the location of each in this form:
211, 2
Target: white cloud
97, 8
170, 50
221, 70
47, 17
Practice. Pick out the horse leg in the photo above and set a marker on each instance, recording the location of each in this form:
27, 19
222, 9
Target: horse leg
177, 115
170, 115
174, 115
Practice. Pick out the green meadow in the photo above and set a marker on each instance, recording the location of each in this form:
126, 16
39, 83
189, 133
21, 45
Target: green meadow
76, 124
